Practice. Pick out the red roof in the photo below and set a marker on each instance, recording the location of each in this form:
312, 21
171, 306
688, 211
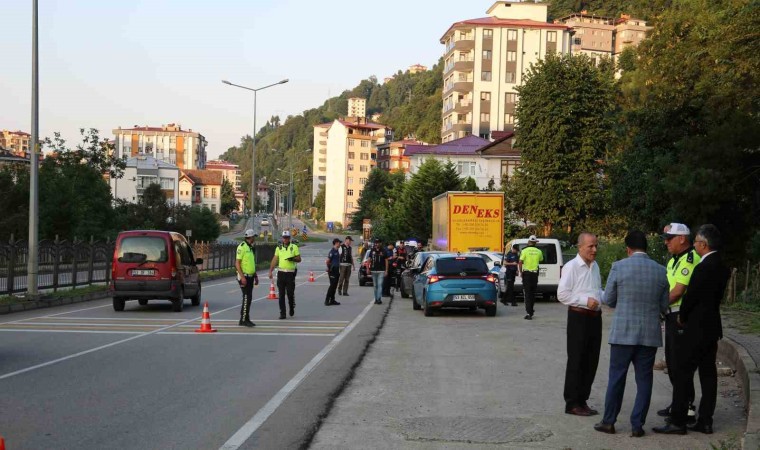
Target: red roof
368, 125
496, 135
204, 177
496, 22
467, 145
221, 165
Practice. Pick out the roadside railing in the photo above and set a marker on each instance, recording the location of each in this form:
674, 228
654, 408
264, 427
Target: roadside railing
64, 264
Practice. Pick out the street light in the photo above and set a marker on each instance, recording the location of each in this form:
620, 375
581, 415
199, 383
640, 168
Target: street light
34, 222
290, 197
253, 138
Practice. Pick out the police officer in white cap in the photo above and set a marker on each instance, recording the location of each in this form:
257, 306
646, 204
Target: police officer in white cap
245, 266
286, 255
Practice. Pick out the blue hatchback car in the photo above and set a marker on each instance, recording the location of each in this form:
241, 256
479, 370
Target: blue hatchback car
455, 281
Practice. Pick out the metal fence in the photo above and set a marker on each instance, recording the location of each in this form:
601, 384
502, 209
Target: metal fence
76, 263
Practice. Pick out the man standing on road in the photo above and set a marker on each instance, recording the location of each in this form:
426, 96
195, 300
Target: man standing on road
509, 264
637, 288
530, 257
699, 320
580, 288
679, 270
245, 265
390, 254
286, 255
378, 266
346, 265
333, 271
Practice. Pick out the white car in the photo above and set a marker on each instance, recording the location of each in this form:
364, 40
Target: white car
550, 269
491, 258
264, 222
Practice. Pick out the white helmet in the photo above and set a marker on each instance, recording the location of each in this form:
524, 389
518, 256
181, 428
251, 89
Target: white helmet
286, 233
249, 233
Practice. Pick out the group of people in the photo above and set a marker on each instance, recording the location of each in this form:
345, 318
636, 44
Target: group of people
525, 264
686, 295
386, 265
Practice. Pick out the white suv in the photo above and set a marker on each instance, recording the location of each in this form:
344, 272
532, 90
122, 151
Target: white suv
549, 270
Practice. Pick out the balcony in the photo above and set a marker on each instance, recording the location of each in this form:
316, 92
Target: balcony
464, 65
463, 86
323, 143
465, 43
463, 106
322, 151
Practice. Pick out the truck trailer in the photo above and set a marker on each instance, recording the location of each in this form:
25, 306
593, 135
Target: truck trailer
468, 221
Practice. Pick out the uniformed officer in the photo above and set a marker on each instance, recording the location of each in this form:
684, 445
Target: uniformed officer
680, 267
245, 265
286, 255
530, 257
333, 271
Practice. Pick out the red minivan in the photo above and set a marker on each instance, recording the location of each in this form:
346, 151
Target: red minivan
154, 265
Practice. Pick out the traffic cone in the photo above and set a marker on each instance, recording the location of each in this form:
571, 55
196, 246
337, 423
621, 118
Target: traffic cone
311, 277
272, 293
205, 325
2, 443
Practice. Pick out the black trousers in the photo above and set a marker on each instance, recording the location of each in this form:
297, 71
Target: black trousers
334, 274
584, 340
673, 340
286, 283
245, 308
509, 296
695, 356
530, 282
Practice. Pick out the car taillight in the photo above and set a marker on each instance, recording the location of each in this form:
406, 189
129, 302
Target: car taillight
174, 273
491, 278
433, 279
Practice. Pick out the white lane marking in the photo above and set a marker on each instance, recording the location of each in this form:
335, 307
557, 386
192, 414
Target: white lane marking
102, 347
249, 334
22, 330
138, 325
126, 319
250, 427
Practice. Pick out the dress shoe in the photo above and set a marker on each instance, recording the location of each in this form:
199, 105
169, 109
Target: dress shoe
605, 428
669, 428
690, 420
292, 311
664, 412
701, 427
247, 323
282, 316
528, 317
334, 303
503, 302
378, 302
577, 411
514, 304
327, 302
637, 432
591, 411
346, 294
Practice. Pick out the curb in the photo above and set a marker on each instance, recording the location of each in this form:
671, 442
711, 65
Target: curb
737, 356
50, 302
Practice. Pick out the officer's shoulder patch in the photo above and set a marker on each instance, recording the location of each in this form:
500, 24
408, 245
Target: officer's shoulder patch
684, 271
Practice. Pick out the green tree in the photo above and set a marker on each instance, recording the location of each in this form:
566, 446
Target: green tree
229, 203
154, 209
373, 193
470, 185
565, 123
319, 202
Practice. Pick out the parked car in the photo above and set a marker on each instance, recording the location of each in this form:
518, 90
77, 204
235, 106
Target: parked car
365, 276
492, 260
550, 269
264, 222
453, 281
413, 269
154, 265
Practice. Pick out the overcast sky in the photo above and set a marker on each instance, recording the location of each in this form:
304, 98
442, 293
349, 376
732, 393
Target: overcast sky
109, 63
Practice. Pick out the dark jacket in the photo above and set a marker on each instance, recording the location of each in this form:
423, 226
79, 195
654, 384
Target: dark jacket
700, 308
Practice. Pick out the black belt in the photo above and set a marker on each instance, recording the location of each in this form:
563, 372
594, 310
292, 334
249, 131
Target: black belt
585, 311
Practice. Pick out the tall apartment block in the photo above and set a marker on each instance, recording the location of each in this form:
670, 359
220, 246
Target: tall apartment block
357, 107
17, 142
487, 58
169, 143
600, 37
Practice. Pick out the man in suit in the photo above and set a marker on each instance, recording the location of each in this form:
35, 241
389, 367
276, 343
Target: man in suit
699, 320
637, 288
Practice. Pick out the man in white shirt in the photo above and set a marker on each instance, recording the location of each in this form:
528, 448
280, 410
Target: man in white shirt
580, 288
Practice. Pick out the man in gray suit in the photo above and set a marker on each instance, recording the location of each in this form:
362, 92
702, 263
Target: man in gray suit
637, 288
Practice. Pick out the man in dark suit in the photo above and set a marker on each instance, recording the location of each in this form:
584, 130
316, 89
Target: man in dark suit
699, 320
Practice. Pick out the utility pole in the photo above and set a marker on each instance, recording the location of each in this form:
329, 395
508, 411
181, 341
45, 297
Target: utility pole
33, 247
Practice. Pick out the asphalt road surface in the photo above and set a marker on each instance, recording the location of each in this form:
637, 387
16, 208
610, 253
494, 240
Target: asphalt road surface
87, 377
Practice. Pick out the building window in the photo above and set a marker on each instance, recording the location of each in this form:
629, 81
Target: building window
363, 181
350, 192
511, 56
350, 180
365, 144
364, 156
511, 35
487, 34
509, 77
167, 184
213, 207
350, 205
486, 54
510, 97
485, 76
551, 36
508, 169
466, 168
577, 41
205, 192
351, 155
509, 119
485, 117
213, 192
350, 167
363, 168
351, 142
485, 96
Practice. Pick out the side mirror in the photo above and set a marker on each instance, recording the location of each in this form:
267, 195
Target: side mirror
199, 261
497, 263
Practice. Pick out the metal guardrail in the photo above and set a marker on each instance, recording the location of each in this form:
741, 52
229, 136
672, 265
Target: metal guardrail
65, 264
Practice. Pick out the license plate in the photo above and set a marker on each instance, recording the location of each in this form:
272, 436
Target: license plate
142, 273
463, 297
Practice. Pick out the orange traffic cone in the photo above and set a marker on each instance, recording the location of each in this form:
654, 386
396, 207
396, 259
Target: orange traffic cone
2, 443
205, 324
272, 293
311, 277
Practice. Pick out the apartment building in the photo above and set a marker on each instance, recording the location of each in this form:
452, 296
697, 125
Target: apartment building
230, 172
391, 156
603, 37
140, 172
201, 188
16, 142
357, 107
169, 143
486, 59
417, 68
345, 152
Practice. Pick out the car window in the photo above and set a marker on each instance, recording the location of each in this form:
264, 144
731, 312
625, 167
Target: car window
186, 253
549, 251
428, 264
137, 249
456, 266
417, 260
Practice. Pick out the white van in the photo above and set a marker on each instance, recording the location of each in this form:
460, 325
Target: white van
549, 270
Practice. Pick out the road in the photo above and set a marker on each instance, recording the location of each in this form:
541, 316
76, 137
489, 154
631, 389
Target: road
87, 377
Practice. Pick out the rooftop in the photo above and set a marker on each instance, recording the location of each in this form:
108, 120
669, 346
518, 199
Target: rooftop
148, 162
204, 177
496, 22
467, 145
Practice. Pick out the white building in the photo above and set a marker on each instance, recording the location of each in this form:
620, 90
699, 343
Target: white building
142, 171
357, 107
201, 188
169, 143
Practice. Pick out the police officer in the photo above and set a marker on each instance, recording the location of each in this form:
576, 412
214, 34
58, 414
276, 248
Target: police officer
530, 257
333, 271
509, 266
286, 255
680, 267
245, 265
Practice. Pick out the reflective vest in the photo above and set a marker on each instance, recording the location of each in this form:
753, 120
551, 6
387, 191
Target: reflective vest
680, 268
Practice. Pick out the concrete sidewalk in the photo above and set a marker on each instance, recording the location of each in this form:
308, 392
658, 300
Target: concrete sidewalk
463, 380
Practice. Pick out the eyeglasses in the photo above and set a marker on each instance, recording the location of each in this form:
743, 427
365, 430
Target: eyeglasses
700, 240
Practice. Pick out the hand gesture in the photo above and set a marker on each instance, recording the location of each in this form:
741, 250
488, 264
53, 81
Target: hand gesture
242, 281
593, 303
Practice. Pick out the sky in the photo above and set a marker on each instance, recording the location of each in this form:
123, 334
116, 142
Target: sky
106, 63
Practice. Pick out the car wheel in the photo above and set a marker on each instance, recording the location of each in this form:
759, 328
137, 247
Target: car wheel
416, 306
196, 299
403, 291
142, 302
178, 304
491, 311
118, 303
473, 308
428, 309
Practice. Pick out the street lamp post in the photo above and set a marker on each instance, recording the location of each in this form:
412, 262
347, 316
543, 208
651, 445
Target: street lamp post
290, 197
253, 138
32, 256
